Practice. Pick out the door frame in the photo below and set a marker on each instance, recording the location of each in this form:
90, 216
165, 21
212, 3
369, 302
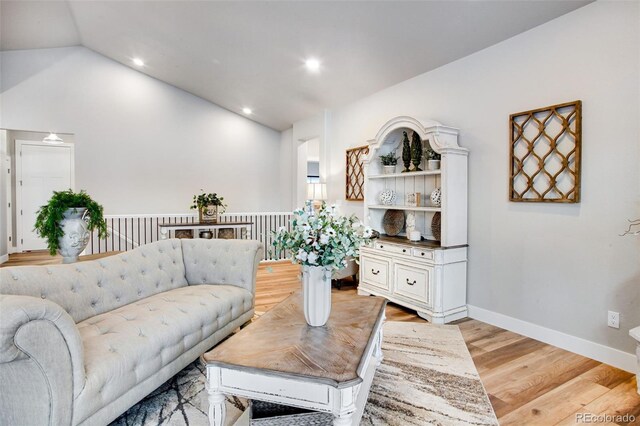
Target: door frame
18, 154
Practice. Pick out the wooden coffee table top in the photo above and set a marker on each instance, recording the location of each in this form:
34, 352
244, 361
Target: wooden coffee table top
281, 343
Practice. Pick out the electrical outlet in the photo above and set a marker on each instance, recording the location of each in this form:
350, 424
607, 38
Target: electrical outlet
613, 319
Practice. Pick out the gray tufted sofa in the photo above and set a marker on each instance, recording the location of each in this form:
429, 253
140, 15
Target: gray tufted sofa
81, 343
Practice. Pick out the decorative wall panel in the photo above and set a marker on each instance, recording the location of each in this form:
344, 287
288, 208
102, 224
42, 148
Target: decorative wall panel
355, 173
545, 154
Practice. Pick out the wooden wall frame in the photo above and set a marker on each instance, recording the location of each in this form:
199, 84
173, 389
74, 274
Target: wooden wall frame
545, 154
354, 190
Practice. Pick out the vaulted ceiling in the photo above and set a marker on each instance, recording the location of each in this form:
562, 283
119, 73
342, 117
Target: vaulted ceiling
251, 54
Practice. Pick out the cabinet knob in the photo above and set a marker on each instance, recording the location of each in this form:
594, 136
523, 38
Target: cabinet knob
404, 250
381, 246
422, 254
375, 272
411, 283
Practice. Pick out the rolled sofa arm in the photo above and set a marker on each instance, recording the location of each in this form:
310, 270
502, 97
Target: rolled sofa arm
41, 362
215, 261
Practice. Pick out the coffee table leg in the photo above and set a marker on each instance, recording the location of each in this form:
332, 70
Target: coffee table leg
378, 350
217, 408
345, 420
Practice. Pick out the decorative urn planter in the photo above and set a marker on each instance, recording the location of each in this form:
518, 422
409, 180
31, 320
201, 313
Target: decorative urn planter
76, 234
316, 289
388, 170
433, 164
209, 213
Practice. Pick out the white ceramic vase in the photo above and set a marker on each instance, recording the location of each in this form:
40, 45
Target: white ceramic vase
316, 289
76, 234
433, 164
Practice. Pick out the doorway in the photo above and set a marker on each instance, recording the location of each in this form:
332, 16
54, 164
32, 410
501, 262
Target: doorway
41, 168
308, 168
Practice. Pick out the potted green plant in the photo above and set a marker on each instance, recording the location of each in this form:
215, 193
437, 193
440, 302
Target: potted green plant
66, 220
389, 162
433, 159
209, 206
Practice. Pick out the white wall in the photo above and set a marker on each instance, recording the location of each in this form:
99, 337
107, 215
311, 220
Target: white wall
142, 146
557, 266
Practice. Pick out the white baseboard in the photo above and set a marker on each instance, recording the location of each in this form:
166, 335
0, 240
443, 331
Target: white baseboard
617, 358
4, 258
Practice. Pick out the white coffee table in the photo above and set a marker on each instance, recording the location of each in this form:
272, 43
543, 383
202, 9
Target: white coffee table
280, 359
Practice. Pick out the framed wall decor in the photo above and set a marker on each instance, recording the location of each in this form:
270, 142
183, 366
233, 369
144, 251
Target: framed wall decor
355, 173
546, 145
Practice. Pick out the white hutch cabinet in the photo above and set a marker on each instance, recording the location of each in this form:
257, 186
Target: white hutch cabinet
428, 276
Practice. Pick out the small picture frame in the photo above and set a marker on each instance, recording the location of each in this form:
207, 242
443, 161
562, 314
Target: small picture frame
413, 199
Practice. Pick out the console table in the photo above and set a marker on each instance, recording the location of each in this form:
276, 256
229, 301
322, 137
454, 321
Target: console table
203, 226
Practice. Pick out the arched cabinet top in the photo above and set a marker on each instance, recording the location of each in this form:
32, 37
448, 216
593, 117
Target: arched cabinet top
442, 139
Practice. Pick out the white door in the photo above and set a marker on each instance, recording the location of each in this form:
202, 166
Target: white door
41, 169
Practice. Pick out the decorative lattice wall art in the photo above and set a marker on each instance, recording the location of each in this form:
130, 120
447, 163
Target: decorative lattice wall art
545, 154
355, 173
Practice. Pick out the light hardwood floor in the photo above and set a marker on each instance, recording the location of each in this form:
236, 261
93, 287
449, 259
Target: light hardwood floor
528, 382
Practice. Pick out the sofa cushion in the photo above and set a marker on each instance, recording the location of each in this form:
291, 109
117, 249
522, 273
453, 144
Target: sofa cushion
126, 346
218, 261
86, 289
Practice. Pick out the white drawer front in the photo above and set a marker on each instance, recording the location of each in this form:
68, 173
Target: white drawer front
393, 248
413, 282
423, 254
375, 271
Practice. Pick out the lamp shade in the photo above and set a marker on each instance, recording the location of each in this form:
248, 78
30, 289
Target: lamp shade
316, 191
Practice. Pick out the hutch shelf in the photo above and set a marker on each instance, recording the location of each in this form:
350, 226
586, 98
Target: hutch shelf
428, 276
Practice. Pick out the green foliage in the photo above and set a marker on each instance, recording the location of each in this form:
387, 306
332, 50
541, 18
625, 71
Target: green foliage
389, 159
203, 200
406, 152
416, 150
51, 214
431, 154
322, 239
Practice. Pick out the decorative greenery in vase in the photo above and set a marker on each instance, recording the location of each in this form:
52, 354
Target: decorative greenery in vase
50, 216
204, 200
416, 151
389, 159
208, 206
325, 238
431, 154
406, 152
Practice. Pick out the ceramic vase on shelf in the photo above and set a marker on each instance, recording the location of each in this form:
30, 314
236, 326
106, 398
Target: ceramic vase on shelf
76, 234
388, 170
433, 164
387, 197
316, 289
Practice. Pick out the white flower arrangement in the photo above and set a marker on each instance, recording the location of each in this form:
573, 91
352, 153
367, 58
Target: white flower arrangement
325, 238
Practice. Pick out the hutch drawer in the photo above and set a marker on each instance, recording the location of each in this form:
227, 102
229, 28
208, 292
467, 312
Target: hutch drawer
393, 248
375, 271
413, 282
423, 254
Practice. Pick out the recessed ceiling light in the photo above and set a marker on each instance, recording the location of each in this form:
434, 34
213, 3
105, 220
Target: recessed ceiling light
246, 110
138, 62
312, 64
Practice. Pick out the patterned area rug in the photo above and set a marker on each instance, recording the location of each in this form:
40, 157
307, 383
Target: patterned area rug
427, 377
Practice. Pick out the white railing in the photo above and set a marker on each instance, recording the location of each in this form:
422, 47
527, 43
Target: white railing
127, 232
